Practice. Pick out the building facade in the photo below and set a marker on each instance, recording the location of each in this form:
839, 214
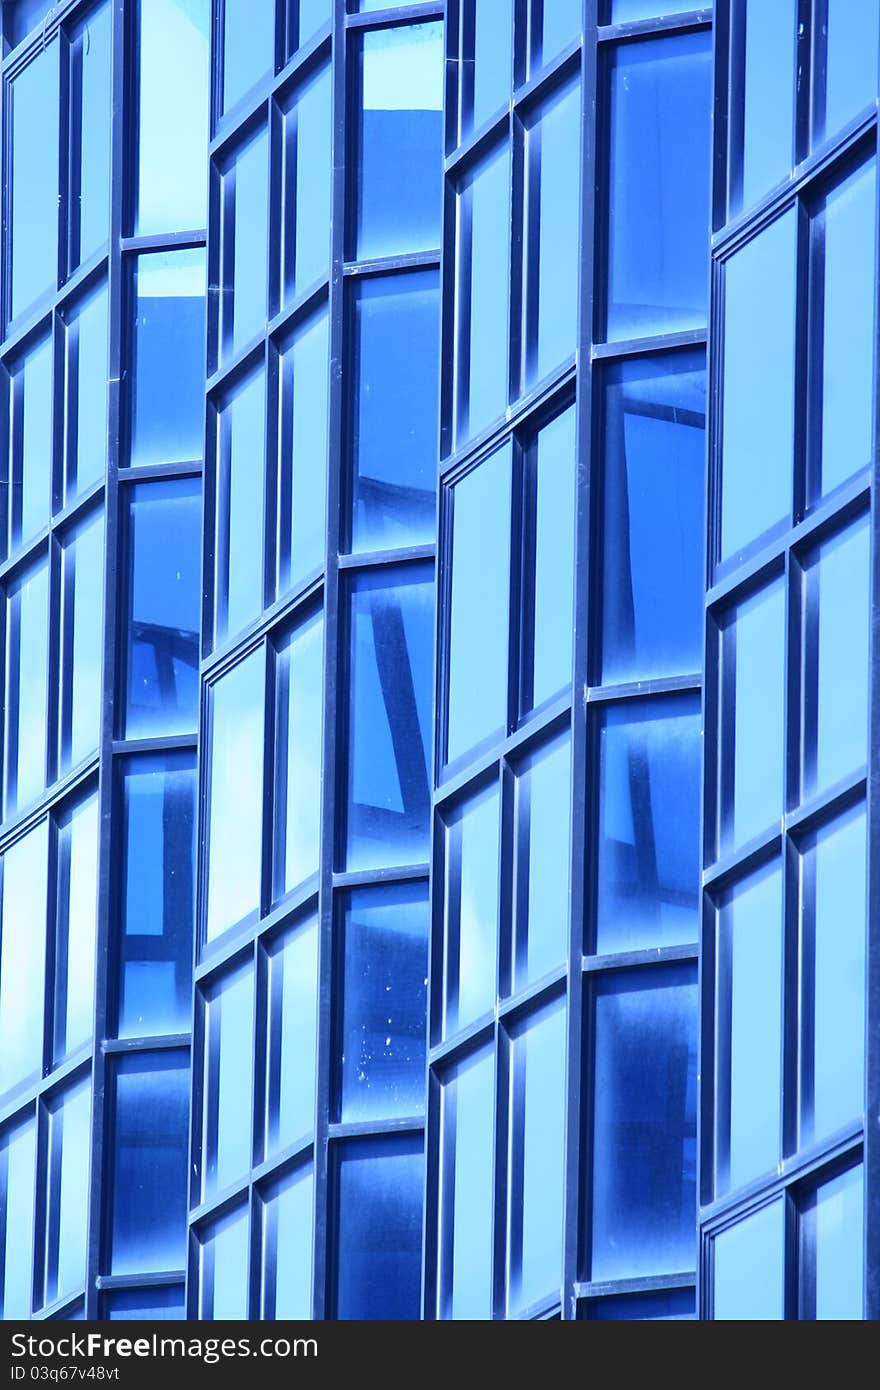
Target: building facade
437, 567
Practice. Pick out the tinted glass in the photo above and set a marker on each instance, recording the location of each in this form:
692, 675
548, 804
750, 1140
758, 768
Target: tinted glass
18, 1158
380, 1229
245, 202
850, 74
148, 1305
292, 1021
66, 1229
27, 686
553, 25
308, 168
486, 70
672, 1305
240, 504
29, 461
471, 889
287, 1246
228, 1081
34, 180
542, 817
168, 390
82, 590
298, 713
236, 794
151, 1137
762, 125
173, 107
90, 73
23, 957
749, 1267
840, 1245
467, 1188
223, 1267
550, 539
553, 161
76, 868
482, 291
86, 425
248, 46
302, 473
309, 17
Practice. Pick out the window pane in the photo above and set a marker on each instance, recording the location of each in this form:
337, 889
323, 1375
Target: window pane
661, 105
66, 1212
537, 1152
248, 46
645, 1123
23, 957
382, 1049
757, 433
229, 1080
542, 818
619, 11
76, 907
472, 851
467, 1188
33, 107
29, 461
553, 25
236, 794
27, 686
240, 505
298, 713
394, 413
82, 597
479, 602
310, 16
173, 108
840, 1247
485, 72
18, 1161
86, 424
245, 248
400, 127
749, 1030
551, 500
302, 480
90, 74
379, 1259
224, 1268
651, 542
762, 116
168, 393
151, 1139
752, 715
552, 257
308, 169
292, 1024
749, 1265
648, 871
392, 641
147, 1305
287, 1246
20, 17
157, 904
850, 76
671, 1305
482, 295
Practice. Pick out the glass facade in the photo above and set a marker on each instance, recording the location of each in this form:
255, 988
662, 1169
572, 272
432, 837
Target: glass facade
437, 576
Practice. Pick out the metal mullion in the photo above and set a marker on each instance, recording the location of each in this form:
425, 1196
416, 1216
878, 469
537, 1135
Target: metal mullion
361, 1129
109, 1282
649, 1283
38, 37
302, 307
474, 1036
390, 265
28, 323
145, 242
286, 1160
544, 397
815, 1164
287, 610
697, 18
358, 878
159, 472
374, 559
654, 956
393, 16
656, 688
619, 349
731, 867
168, 743
528, 95
485, 755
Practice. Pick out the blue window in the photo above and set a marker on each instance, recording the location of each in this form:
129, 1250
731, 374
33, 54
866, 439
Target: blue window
228, 1096
763, 86
553, 25
308, 167
82, 630
749, 1267
28, 462
240, 504
236, 794
485, 70
552, 154
18, 1159
23, 957
299, 691
542, 821
151, 1135
86, 424
672, 1305
27, 686
76, 867
224, 1267
482, 294
244, 190
33, 229
833, 1249
848, 81
472, 846
90, 72
173, 109
168, 350
379, 1254
159, 1304
287, 1212
467, 1188
549, 603
301, 508
68, 1139
248, 46
291, 973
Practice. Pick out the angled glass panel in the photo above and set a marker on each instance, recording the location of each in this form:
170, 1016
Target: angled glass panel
224, 1267
82, 631
472, 851
30, 444
23, 957
68, 1139
159, 1304
301, 517
244, 187
749, 1267
467, 1187
485, 71
33, 180
21, 16
287, 1212
76, 867
299, 691
18, 1165
90, 77
542, 800
236, 794
762, 98
228, 1093
173, 87
379, 1254
553, 25
240, 505
833, 1225
847, 81
248, 47
394, 419
307, 179
550, 484
552, 154
87, 368
168, 389
292, 1035
481, 369
27, 686
671, 1305
150, 1146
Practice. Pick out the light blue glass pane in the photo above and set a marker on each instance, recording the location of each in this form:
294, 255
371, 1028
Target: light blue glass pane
82, 582
147, 1305
287, 1247
753, 643
299, 703
481, 331
88, 369
395, 412
241, 463
151, 1139
308, 169
392, 663
487, 60
380, 1229
671, 1305
652, 552
473, 847
554, 24
619, 11
27, 686
749, 1037
749, 1263
836, 668
68, 1177
76, 920
543, 799
23, 956
382, 1061
553, 155
292, 1035
173, 110
91, 74
236, 793
312, 15
224, 1269
302, 483
30, 443
648, 873
537, 1152
400, 127
840, 1247
245, 192
248, 47
34, 108
467, 1184
768, 99
229, 1081
645, 1123
851, 37
159, 877
553, 463
661, 101
168, 394
18, 1162
479, 605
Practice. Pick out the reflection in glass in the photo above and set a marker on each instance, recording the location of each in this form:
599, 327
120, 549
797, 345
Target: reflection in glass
552, 161
224, 1267
302, 472
33, 196
240, 504
85, 419
299, 702
173, 44
67, 1178
89, 192
467, 1188
286, 1282
29, 442
749, 1267
151, 1134
18, 1160
542, 819
82, 601
671, 1305
833, 1225
847, 81
292, 1035
486, 67
76, 868
762, 115
158, 1304
23, 957
228, 1080
245, 232
308, 168
472, 849
550, 482
482, 294
236, 794
248, 46
27, 686
379, 1256
168, 392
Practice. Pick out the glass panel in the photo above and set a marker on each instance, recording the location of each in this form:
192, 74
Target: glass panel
298, 713
157, 904
86, 424
536, 1158
850, 69
749, 1030
148, 1305
75, 927
479, 604
20, 17
486, 69
248, 46
840, 1247
661, 103
236, 794
66, 1212
287, 1246
173, 111
229, 1080
33, 180
762, 124
240, 504
382, 1048
644, 1196
553, 25
151, 1138
311, 15
292, 1024
400, 127
27, 686
472, 853
302, 480
482, 294
752, 715
394, 413
23, 957
652, 547
164, 608
620, 11
245, 232
29, 466
392, 661
551, 500
224, 1268
308, 170
168, 393
82, 600
90, 74
648, 870
671, 1305
380, 1229
542, 818
18, 1163
467, 1188
552, 217
749, 1267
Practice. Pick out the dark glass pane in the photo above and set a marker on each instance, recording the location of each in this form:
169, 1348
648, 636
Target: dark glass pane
82, 597
90, 74
248, 46
661, 103
148, 1305
482, 295
379, 1262
157, 907
168, 392
389, 742
762, 115
838, 1220
486, 68
552, 255
553, 25
287, 1246
648, 870
645, 1123
850, 70
67, 1178
652, 545
228, 1080
245, 205
75, 925
18, 1161
29, 443
240, 504
542, 817
299, 703
749, 1267
236, 794
467, 1187
33, 180
620, 11
86, 424
292, 1035
224, 1268
394, 413
551, 487
173, 109
400, 127
23, 957
671, 1305
151, 1139
21, 16
308, 169
479, 602
27, 686
302, 480
309, 17
472, 850
382, 1048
